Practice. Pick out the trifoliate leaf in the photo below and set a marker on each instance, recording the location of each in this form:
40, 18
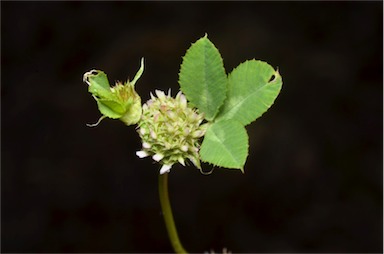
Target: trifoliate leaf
225, 144
202, 77
252, 88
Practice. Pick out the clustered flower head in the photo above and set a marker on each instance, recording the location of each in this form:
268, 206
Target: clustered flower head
170, 131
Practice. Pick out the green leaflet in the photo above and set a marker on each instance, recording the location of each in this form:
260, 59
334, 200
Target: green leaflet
225, 144
202, 77
250, 91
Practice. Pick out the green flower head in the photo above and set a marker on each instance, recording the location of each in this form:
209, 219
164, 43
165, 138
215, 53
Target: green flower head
118, 102
170, 131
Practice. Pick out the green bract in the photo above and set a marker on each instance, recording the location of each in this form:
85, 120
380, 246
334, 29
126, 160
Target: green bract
119, 102
229, 103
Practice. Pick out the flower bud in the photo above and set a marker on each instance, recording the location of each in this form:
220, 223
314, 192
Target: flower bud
119, 102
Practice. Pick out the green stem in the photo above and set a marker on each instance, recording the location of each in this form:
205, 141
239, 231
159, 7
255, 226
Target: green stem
167, 212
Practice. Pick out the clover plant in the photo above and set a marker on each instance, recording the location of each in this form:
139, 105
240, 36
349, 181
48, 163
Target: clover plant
206, 120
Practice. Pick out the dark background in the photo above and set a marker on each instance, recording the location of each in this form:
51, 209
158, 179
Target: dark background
313, 178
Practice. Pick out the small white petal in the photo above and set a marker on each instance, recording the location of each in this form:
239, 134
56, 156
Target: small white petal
142, 131
183, 101
178, 95
181, 161
157, 157
153, 134
184, 148
198, 134
186, 132
142, 154
165, 169
160, 94
156, 117
193, 117
146, 145
171, 114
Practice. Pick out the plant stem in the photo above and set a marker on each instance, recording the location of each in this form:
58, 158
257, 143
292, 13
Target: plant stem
167, 212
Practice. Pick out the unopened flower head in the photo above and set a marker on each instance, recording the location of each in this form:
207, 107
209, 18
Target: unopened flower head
118, 102
170, 130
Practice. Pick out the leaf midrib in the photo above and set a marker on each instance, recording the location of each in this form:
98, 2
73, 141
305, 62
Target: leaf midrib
233, 105
221, 142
